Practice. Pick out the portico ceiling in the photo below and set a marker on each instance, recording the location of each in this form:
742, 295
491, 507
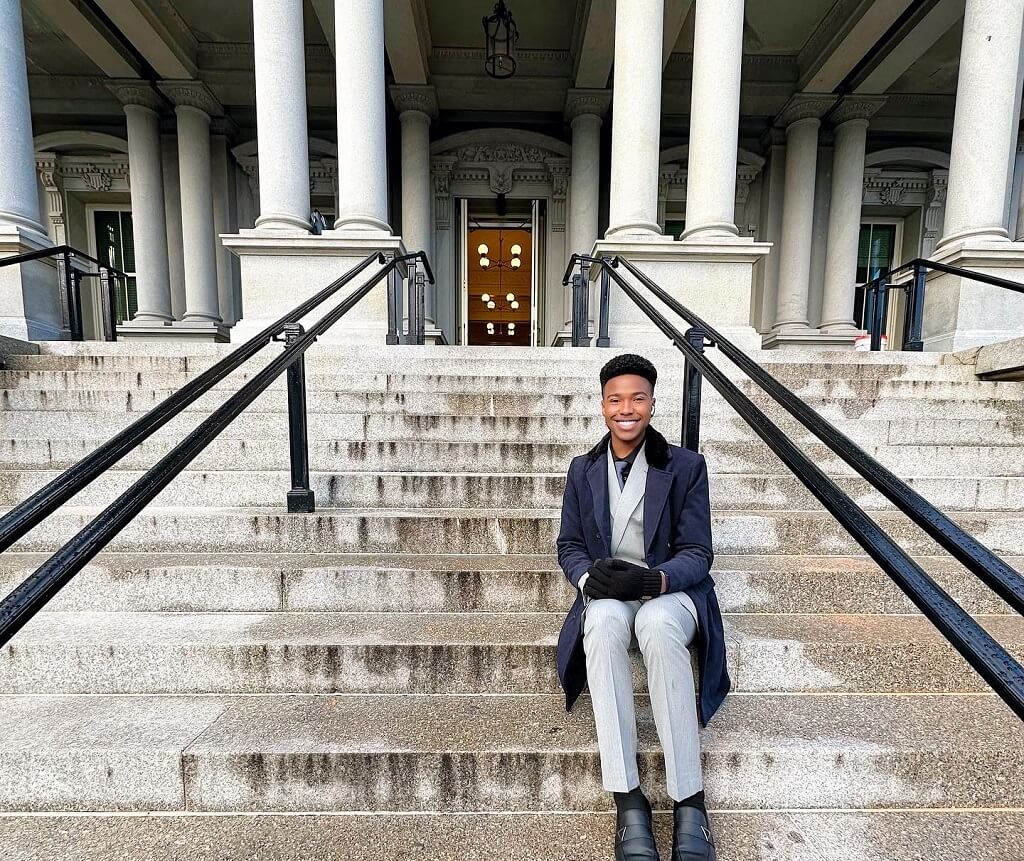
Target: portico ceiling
796, 44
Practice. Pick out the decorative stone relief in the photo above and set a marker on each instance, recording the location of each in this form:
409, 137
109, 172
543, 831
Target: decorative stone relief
95, 173
802, 106
580, 102
48, 165
441, 170
407, 97
135, 92
502, 153
499, 179
856, 108
194, 94
559, 171
886, 187
935, 212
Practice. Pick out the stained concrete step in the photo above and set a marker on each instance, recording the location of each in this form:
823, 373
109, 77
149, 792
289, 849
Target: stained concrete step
124, 373
242, 487
90, 429
496, 753
318, 582
22, 395
739, 836
966, 403
480, 531
429, 457
465, 653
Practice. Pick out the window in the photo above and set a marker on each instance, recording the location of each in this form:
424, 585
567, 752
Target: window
115, 244
876, 252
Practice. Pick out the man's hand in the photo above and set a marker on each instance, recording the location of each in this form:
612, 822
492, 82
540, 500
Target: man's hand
624, 581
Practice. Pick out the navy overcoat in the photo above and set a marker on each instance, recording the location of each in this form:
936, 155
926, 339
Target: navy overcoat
677, 536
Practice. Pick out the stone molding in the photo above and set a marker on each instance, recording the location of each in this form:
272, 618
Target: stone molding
48, 166
441, 172
560, 170
856, 108
135, 92
804, 106
522, 54
580, 102
414, 97
192, 94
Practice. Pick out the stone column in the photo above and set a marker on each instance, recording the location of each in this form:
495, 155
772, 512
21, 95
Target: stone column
714, 133
636, 126
19, 200
417, 106
584, 110
149, 222
362, 147
851, 133
193, 106
283, 143
801, 121
985, 123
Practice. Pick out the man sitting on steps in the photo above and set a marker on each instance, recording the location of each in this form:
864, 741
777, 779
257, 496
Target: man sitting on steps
635, 541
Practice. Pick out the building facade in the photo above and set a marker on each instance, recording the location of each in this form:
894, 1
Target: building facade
759, 159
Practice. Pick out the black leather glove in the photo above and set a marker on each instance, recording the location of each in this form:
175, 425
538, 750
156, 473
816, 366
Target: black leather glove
624, 581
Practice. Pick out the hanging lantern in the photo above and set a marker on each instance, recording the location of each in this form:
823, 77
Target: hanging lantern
501, 35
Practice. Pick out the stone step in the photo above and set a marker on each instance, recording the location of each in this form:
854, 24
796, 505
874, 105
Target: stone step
518, 458
455, 354
449, 653
91, 428
798, 835
481, 531
318, 582
27, 395
250, 488
327, 373
495, 753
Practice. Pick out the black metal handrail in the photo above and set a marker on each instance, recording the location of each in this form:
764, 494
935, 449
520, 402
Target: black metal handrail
996, 666
70, 272
913, 321
39, 587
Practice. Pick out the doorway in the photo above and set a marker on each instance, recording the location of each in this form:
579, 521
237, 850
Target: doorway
500, 262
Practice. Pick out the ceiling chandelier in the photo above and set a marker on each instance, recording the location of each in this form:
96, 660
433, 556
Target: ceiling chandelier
501, 35
509, 302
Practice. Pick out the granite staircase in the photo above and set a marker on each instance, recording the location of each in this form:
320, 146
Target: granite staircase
376, 680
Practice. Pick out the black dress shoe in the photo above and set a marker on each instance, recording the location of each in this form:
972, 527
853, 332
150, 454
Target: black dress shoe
691, 836
634, 836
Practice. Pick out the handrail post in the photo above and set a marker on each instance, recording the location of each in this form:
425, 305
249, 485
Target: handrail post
74, 293
692, 378
602, 326
300, 497
580, 288
878, 313
64, 290
409, 336
394, 307
108, 303
421, 309
913, 340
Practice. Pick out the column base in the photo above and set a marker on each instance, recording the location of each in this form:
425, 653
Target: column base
175, 330
711, 278
434, 336
30, 300
959, 312
810, 339
562, 339
280, 271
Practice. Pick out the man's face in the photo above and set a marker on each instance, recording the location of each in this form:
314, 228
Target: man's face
626, 406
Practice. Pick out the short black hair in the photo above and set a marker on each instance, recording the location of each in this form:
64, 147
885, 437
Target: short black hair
629, 363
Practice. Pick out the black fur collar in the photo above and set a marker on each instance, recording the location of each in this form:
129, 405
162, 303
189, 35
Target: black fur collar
656, 448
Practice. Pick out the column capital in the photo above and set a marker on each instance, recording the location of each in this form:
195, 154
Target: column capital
804, 106
579, 102
132, 91
856, 108
192, 94
414, 97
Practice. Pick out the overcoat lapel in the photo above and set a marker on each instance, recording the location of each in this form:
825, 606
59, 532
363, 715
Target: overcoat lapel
597, 476
659, 482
